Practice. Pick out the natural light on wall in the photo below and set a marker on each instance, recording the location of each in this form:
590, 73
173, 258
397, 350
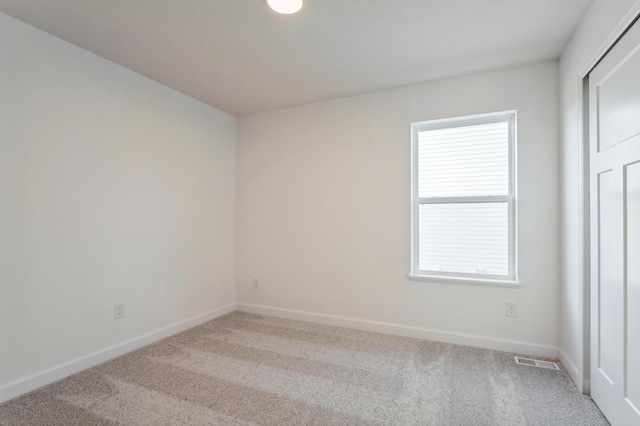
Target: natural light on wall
464, 210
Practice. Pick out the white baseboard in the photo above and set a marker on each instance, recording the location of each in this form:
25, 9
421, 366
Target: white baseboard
573, 371
485, 342
571, 368
26, 384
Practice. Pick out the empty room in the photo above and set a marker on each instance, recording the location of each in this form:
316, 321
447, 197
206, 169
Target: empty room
319, 212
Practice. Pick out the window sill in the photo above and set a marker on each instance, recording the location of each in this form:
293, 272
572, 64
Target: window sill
491, 282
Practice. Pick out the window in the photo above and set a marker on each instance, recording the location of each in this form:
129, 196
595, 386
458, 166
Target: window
463, 199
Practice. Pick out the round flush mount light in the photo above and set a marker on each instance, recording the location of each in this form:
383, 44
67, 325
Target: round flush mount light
286, 7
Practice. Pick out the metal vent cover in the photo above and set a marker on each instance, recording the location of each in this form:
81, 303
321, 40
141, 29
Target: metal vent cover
536, 363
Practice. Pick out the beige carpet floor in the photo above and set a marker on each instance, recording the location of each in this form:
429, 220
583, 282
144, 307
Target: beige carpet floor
245, 369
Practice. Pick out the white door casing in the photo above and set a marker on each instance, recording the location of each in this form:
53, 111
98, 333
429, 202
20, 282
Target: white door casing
614, 120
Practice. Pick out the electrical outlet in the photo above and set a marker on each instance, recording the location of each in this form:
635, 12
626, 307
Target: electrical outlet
512, 309
256, 283
118, 311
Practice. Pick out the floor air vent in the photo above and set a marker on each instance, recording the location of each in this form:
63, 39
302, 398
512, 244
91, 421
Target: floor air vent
537, 363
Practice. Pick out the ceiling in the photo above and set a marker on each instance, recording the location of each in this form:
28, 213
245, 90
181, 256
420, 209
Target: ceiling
240, 57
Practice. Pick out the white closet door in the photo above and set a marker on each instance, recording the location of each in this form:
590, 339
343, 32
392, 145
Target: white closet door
614, 96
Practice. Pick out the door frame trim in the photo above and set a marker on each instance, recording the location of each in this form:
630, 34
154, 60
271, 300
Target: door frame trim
615, 35
584, 269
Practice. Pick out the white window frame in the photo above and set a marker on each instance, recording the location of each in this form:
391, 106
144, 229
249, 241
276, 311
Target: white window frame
498, 280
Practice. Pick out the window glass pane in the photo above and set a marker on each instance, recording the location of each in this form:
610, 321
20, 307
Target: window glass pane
467, 238
468, 160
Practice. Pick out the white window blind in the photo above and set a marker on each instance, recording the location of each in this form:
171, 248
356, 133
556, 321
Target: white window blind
463, 197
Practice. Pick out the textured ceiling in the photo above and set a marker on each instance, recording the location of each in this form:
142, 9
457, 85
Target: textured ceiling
239, 56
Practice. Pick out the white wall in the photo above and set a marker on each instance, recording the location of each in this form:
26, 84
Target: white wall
324, 213
599, 22
113, 189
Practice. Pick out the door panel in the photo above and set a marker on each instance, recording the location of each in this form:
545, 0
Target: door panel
614, 121
632, 261
609, 285
619, 104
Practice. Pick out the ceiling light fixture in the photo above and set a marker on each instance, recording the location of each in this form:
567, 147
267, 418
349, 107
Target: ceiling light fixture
286, 7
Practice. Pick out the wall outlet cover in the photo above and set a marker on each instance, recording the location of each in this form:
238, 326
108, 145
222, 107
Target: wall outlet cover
119, 311
512, 309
